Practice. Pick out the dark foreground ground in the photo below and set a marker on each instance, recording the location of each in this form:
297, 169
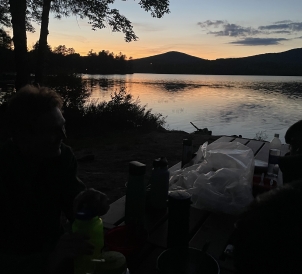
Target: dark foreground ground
103, 160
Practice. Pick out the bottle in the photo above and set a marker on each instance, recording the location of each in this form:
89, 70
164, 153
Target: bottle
90, 225
187, 151
159, 184
274, 154
135, 195
179, 204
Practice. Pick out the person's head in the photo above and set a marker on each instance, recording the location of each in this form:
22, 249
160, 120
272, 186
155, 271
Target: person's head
36, 122
293, 137
269, 234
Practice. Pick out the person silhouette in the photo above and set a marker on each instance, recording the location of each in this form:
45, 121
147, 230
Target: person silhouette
268, 236
291, 163
38, 180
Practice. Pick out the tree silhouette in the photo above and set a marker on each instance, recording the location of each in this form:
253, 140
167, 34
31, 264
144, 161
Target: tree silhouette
6, 54
18, 15
4, 15
98, 12
5, 40
61, 49
39, 73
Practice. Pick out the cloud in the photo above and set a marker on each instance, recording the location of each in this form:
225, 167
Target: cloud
293, 26
283, 22
254, 36
227, 29
209, 23
282, 32
252, 41
235, 31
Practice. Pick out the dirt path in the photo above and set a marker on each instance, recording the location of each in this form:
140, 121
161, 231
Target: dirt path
103, 161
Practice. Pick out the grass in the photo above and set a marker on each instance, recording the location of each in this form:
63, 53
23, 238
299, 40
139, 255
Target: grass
261, 136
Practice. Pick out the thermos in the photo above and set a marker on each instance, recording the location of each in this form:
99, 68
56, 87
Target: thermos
136, 195
90, 225
159, 184
179, 203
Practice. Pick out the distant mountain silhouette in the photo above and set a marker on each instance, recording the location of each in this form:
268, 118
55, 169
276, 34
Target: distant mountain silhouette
284, 63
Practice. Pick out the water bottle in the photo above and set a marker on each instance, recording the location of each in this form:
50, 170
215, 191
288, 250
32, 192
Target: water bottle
135, 195
89, 224
187, 151
274, 154
159, 184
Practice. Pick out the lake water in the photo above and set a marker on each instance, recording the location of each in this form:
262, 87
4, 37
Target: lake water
226, 105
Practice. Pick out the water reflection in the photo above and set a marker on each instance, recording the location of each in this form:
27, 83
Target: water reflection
225, 104
178, 86
175, 86
103, 84
291, 89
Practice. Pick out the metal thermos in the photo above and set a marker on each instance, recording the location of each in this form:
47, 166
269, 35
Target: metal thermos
135, 194
159, 184
179, 203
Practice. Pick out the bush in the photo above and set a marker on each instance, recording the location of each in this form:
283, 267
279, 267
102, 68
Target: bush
121, 113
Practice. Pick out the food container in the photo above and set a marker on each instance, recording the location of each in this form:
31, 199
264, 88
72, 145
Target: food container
126, 239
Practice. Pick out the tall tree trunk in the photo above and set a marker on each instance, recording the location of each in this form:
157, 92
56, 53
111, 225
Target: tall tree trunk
39, 74
18, 12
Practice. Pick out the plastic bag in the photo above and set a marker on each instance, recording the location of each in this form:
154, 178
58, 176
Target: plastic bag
220, 178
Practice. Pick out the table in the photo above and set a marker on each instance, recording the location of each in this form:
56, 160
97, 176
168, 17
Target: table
211, 232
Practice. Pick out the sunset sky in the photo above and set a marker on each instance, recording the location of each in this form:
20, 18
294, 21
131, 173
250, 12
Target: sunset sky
209, 29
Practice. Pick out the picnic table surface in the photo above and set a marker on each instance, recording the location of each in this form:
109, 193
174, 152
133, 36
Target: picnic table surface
209, 231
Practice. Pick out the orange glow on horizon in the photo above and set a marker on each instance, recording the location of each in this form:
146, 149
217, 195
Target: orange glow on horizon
140, 53
136, 54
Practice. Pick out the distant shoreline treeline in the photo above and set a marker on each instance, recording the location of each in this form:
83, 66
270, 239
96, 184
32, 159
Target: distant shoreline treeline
66, 60
288, 63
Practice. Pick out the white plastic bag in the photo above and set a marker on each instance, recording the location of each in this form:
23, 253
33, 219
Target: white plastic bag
220, 178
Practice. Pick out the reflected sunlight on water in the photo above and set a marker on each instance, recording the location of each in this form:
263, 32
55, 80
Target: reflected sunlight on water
224, 104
